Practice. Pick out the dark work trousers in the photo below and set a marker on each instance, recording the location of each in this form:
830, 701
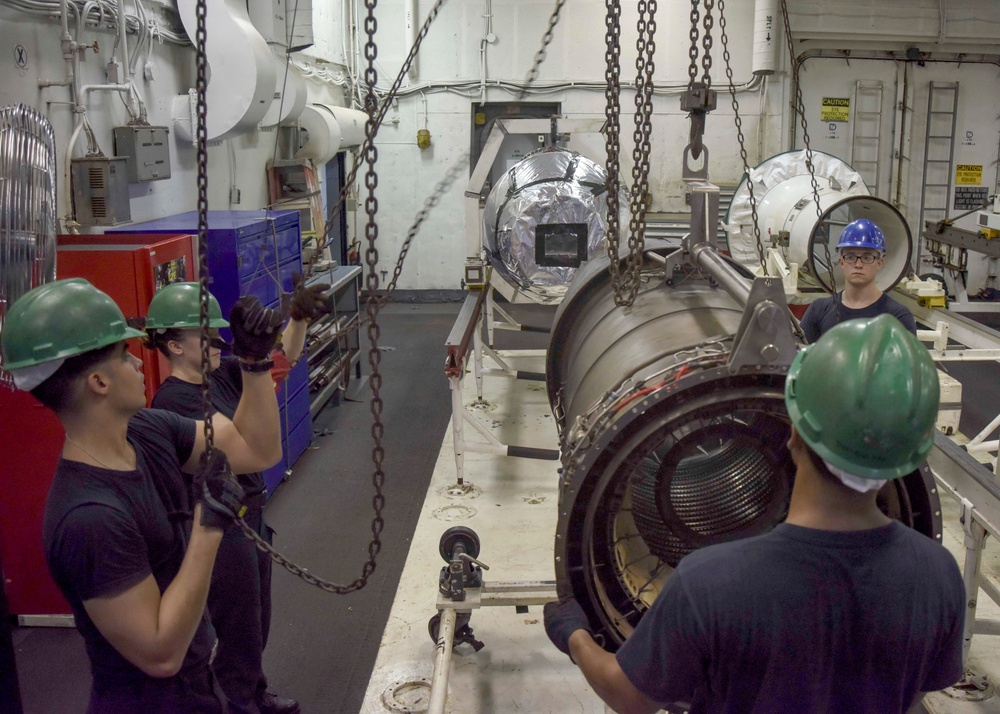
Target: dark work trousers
194, 691
239, 603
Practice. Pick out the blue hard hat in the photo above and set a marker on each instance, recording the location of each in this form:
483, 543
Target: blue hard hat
862, 233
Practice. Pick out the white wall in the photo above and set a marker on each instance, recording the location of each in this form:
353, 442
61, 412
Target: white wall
451, 54
174, 74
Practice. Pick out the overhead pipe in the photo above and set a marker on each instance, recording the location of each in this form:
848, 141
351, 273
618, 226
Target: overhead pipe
122, 41
765, 40
412, 25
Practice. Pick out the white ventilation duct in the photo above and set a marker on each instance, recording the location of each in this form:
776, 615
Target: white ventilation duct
290, 91
241, 71
331, 129
787, 216
765, 37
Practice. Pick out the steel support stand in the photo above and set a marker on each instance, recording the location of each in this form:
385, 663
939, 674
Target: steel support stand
442, 662
975, 541
519, 594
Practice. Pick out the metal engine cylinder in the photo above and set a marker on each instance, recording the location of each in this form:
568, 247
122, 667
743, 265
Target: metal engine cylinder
666, 446
543, 219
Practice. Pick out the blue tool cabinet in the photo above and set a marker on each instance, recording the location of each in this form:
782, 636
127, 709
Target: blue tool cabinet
250, 253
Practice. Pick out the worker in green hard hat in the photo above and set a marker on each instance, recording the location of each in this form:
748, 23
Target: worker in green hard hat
839, 608
239, 599
131, 541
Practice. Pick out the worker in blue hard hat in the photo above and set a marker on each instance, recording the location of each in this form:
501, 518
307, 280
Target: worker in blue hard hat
861, 251
130, 540
839, 608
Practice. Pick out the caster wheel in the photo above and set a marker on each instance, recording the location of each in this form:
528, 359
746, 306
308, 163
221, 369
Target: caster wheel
455, 535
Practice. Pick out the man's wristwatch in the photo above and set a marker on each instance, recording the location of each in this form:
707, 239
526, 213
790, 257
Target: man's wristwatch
256, 367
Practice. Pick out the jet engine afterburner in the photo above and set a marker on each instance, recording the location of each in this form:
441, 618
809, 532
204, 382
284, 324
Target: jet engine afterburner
671, 438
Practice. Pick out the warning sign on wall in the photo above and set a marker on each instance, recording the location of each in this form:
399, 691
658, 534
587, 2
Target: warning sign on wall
835, 109
970, 197
968, 174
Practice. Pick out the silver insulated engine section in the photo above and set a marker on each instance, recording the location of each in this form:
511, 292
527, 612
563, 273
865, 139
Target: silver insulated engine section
543, 219
27, 203
673, 428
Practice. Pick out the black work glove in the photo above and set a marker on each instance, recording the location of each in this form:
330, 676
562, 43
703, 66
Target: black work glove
309, 303
562, 619
255, 328
218, 491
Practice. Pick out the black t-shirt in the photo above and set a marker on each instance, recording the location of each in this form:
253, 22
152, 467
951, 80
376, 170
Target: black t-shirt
106, 531
803, 620
225, 390
822, 314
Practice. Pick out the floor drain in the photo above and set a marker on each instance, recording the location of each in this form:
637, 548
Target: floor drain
410, 696
456, 512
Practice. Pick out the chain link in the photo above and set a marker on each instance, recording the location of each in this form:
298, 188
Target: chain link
336, 209
693, 34
739, 134
628, 286
801, 110
370, 153
626, 274
458, 168
707, 42
612, 135
374, 303
201, 84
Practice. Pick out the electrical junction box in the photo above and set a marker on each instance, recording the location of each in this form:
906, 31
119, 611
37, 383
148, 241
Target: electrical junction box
100, 191
146, 151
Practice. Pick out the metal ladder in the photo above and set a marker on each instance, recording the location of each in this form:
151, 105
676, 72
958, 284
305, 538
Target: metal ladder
939, 153
866, 146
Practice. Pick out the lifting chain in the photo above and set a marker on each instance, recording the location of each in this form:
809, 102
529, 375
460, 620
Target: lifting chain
801, 110
739, 135
699, 98
383, 110
612, 136
460, 166
370, 152
201, 108
706, 40
626, 291
626, 273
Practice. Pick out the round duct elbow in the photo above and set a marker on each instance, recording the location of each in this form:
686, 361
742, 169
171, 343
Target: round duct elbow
788, 218
290, 92
664, 448
330, 129
544, 219
241, 71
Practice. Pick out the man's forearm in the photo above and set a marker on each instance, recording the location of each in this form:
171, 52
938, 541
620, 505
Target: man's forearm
293, 338
183, 602
604, 674
256, 415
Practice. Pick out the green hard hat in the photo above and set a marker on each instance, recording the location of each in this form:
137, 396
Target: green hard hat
865, 398
58, 320
178, 305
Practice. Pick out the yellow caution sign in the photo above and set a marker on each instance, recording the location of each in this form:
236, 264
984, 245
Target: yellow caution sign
968, 174
835, 109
